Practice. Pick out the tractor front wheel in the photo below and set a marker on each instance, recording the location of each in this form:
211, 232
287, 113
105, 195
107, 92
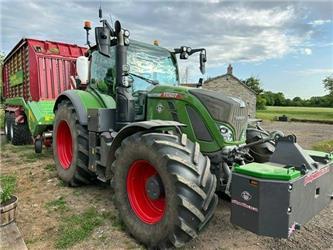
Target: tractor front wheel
70, 147
164, 190
260, 152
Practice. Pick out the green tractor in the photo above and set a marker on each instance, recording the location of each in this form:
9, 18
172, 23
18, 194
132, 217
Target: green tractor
167, 149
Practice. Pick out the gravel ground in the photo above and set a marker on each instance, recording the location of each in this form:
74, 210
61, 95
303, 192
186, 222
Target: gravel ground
38, 184
307, 133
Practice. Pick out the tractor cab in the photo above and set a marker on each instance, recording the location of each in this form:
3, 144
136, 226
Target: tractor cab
149, 65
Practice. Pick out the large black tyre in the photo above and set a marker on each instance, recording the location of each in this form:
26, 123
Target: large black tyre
19, 132
261, 152
188, 188
70, 147
7, 123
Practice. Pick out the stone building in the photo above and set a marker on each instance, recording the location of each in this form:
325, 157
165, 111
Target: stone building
230, 85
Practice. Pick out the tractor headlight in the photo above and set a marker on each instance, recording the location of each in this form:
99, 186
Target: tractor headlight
226, 133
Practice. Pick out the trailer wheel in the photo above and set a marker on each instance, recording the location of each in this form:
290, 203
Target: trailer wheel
19, 132
7, 124
164, 190
71, 147
261, 152
38, 146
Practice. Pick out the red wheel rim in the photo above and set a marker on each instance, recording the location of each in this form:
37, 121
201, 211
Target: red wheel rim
64, 145
148, 210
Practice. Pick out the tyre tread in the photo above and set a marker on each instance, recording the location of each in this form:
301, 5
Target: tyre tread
192, 177
82, 175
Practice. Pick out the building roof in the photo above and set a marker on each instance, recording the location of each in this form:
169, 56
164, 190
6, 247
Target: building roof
229, 74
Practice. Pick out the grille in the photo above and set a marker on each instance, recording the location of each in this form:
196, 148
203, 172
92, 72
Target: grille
239, 121
224, 109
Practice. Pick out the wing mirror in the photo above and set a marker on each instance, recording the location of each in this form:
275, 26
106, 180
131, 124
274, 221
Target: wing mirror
203, 60
103, 40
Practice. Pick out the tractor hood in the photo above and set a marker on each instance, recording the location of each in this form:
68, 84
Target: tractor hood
224, 109
212, 118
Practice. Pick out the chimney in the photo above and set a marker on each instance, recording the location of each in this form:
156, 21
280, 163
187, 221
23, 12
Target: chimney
229, 70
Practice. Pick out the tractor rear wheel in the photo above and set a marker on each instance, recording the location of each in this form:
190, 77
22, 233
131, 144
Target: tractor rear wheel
71, 147
7, 124
261, 152
164, 190
19, 132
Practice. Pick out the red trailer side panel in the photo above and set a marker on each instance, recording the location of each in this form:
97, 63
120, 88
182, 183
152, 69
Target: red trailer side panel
39, 70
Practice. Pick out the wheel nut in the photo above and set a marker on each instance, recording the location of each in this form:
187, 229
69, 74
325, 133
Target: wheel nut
154, 187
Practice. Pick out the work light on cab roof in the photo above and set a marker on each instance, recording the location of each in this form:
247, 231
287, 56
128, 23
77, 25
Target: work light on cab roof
87, 25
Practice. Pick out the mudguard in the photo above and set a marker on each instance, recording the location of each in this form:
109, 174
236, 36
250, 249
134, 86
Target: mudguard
134, 128
84, 100
140, 126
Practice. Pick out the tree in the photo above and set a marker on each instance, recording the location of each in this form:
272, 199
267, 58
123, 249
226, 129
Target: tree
254, 84
274, 99
261, 102
297, 101
270, 98
328, 84
280, 100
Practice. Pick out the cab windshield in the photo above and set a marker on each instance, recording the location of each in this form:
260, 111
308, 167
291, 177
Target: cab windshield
148, 61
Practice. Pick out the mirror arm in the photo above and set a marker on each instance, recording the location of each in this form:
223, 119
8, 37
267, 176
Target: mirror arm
197, 50
178, 51
185, 52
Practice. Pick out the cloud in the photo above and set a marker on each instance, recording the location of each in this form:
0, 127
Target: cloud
314, 71
242, 31
319, 22
275, 17
306, 51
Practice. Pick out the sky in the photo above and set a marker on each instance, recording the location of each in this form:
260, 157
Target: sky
288, 45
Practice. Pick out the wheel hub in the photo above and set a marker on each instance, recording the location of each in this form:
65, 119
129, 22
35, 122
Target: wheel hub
64, 145
154, 187
145, 192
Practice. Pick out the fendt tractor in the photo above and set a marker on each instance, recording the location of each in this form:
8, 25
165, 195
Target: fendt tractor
168, 149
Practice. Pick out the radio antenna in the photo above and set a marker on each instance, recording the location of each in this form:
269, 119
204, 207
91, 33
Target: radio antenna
100, 13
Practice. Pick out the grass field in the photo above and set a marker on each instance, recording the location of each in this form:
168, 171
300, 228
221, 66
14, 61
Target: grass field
325, 146
298, 113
